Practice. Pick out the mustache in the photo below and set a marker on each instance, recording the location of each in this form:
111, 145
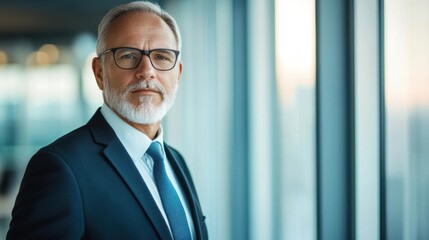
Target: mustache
145, 84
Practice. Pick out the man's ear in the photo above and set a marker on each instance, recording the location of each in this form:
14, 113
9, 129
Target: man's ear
97, 69
179, 74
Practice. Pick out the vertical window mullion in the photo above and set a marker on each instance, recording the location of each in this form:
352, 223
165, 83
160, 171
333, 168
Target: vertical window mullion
335, 161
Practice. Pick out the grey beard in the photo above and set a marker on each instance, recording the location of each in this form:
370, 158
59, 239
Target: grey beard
146, 112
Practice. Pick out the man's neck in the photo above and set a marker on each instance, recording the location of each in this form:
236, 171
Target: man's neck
150, 130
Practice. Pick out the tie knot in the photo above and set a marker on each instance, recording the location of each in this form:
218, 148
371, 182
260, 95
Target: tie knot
155, 151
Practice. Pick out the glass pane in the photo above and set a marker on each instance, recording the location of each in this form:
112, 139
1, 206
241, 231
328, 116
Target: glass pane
295, 64
407, 118
367, 122
41, 98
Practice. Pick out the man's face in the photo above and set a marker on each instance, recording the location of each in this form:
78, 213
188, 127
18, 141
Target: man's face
142, 95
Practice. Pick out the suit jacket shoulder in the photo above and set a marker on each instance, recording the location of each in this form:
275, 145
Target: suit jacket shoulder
85, 185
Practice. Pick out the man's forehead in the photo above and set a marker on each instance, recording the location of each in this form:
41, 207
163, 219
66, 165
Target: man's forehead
140, 24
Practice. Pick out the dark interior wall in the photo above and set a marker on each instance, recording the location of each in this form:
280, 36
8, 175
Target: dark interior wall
51, 18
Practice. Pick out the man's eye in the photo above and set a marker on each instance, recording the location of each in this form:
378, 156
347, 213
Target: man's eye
162, 57
128, 56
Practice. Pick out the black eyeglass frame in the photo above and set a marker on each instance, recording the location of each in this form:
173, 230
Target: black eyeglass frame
143, 53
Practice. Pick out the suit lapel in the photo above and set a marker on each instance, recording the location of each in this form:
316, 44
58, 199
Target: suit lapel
121, 161
188, 188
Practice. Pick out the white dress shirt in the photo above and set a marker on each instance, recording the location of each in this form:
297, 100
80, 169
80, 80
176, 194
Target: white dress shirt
137, 143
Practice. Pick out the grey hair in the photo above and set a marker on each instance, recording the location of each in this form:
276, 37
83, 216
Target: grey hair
137, 6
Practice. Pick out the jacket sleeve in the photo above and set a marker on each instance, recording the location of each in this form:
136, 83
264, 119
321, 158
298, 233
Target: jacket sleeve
49, 204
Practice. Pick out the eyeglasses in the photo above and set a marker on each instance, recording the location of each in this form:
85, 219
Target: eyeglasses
129, 58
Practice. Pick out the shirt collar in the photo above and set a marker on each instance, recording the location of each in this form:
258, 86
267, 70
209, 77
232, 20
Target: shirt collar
135, 142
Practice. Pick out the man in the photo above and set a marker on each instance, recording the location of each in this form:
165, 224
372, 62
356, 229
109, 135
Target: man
115, 178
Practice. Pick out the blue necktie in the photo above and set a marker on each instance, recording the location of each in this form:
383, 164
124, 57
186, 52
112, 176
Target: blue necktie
170, 200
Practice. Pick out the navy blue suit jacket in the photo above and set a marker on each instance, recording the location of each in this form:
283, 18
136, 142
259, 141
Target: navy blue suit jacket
85, 186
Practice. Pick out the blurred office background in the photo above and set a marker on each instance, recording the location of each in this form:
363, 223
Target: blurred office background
312, 116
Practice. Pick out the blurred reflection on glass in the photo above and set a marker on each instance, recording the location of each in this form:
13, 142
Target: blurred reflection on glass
295, 70
407, 114
41, 98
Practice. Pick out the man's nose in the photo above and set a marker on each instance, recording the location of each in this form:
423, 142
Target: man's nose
145, 68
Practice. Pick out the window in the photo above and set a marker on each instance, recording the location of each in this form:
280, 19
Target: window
295, 79
407, 118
